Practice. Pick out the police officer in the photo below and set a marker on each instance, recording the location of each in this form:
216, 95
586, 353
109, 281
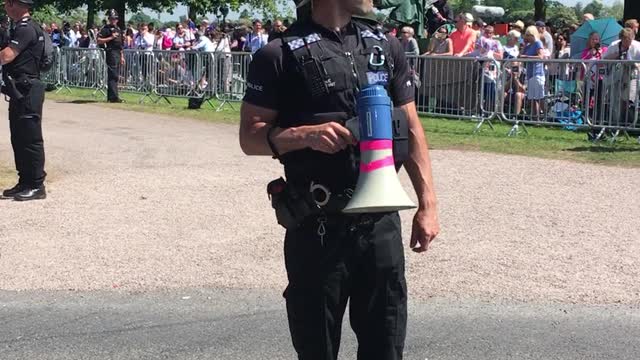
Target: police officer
21, 75
111, 39
301, 92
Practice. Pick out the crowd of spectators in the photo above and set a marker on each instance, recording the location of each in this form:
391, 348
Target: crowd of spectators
184, 36
180, 68
529, 82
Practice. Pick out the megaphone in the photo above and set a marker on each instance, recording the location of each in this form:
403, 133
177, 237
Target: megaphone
378, 188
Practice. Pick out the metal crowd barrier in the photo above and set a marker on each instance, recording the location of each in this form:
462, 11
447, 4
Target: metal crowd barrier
542, 92
169, 74
137, 74
53, 76
231, 71
602, 95
573, 94
457, 87
612, 97
83, 68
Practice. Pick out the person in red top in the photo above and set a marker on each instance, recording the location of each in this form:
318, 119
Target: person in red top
464, 38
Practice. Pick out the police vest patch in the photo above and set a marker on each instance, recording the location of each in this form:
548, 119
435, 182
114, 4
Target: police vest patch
370, 34
298, 43
378, 78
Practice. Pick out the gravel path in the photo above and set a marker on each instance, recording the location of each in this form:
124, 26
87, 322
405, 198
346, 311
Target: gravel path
144, 202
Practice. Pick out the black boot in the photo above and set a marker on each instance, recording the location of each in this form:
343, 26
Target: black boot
10, 193
28, 193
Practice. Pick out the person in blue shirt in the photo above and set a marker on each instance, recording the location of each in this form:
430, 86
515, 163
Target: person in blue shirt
56, 36
535, 70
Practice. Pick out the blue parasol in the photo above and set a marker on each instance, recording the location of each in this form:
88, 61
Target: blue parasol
609, 29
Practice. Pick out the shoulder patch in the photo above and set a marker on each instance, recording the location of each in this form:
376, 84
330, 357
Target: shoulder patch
298, 43
373, 35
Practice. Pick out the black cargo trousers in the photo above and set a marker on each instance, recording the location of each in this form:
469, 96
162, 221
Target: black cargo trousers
113, 73
25, 123
359, 260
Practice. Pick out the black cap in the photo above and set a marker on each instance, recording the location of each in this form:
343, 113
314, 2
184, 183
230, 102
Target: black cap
112, 14
26, 2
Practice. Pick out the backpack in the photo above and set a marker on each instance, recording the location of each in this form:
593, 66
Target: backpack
47, 59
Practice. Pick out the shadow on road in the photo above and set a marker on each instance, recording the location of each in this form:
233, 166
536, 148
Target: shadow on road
603, 149
79, 102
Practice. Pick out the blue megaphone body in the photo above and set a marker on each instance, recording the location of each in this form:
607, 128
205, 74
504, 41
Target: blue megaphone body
378, 188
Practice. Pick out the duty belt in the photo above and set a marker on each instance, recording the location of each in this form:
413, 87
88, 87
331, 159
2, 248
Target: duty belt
329, 201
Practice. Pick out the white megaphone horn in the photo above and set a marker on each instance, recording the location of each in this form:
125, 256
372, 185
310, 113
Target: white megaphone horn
378, 188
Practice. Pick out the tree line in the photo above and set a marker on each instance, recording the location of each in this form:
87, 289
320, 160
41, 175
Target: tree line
553, 11
94, 9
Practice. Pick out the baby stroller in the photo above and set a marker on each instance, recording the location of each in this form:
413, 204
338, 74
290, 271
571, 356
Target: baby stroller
564, 106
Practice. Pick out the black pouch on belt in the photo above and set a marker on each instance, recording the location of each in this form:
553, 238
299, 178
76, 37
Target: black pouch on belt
400, 136
291, 206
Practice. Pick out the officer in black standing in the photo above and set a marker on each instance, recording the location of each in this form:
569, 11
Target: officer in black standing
111, 39
21, 74
301, 92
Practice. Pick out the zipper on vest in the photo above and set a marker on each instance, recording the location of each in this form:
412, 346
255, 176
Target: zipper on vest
354, 71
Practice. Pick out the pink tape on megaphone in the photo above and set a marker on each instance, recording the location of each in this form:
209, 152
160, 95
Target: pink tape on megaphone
376, 145
377, 164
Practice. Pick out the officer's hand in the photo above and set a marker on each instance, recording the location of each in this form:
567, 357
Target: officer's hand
329, 138
122, 60
425, 228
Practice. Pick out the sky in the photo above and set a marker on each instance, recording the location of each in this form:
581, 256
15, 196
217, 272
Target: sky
182, 10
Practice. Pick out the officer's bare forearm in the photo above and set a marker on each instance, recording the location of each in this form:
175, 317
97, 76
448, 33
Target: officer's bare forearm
255, 123
419, 163
7, 55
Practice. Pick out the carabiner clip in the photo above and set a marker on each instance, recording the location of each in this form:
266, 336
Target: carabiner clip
379, 54
320, 194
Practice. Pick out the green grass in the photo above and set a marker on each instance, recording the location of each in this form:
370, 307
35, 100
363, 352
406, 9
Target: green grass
176, 107
442, 133
7, 176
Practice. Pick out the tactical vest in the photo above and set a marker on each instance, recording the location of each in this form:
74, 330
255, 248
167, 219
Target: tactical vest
329, 77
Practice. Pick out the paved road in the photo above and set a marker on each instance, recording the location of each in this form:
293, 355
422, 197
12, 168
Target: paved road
243, 324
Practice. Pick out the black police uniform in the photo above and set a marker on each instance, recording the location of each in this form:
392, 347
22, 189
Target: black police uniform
113, 53
25, 106
310, 76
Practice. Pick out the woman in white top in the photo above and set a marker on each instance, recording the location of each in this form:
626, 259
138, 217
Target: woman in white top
203, 43
224, 64
144, 42
182, 41
222, 43
560, 52
512, 48
144, 39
